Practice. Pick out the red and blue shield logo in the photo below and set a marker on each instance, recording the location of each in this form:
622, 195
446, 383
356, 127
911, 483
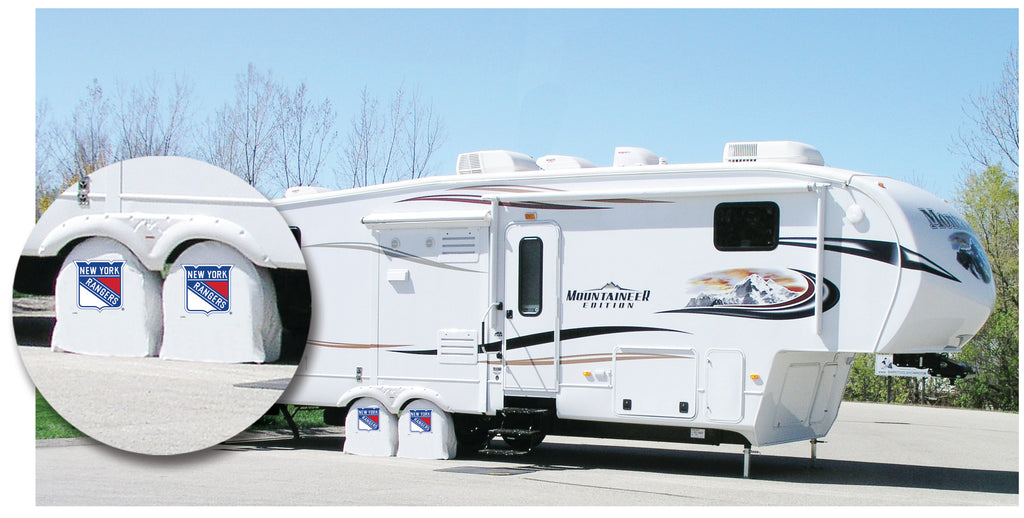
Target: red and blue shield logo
369, 419
207, 288
419, 421
99, 284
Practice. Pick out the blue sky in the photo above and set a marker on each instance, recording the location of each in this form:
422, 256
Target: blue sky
875, 90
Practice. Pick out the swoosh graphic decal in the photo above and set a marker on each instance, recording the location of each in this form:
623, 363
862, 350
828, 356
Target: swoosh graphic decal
479, 200
549, 337
881, 251
342, 345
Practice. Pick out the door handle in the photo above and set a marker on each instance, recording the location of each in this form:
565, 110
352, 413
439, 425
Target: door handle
508, 314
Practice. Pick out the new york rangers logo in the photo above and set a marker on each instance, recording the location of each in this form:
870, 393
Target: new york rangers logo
207, 288
419, 421
369, 419
99, 284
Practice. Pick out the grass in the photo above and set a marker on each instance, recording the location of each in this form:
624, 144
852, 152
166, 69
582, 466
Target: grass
49, 424
306, 417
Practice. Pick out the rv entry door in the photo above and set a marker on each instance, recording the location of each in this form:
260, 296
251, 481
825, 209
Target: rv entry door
530, 347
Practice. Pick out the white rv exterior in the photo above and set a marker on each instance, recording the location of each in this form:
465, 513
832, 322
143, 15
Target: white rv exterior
718, 302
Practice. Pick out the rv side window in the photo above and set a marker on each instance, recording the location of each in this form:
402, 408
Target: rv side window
747, 226
531, 275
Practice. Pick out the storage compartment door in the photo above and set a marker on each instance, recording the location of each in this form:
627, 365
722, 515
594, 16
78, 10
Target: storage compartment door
724, 390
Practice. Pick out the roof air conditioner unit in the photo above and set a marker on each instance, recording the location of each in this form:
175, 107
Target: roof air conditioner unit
634, 156
772, 151
552, 162
495, 161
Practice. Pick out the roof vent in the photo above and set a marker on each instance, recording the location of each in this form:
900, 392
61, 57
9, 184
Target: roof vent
772, 151
496, 161
633, 156
552, 162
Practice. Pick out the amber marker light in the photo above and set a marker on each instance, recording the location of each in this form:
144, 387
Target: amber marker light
531, 215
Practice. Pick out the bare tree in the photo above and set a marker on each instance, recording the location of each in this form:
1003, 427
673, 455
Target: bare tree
359, 154
82, 144
242, 137
399, 144
150, 126
47, 179
993, 133
217, 143
424, 133
307, 137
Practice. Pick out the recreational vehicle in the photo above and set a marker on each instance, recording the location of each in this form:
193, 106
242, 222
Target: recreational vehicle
709, 303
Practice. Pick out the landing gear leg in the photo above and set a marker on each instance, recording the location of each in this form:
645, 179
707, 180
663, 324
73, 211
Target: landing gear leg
746, 461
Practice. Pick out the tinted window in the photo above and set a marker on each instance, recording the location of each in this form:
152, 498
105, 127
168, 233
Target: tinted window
531, 275
747, 226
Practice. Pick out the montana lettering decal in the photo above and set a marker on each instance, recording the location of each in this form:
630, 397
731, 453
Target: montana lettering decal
944, 220
207, 288
99, 284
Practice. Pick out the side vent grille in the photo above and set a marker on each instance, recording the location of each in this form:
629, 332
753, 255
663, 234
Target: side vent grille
459, 246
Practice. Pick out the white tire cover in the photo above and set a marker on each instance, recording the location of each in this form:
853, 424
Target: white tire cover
106, 302
219, 307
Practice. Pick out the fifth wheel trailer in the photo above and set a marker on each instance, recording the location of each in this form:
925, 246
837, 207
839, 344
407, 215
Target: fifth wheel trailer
709, 303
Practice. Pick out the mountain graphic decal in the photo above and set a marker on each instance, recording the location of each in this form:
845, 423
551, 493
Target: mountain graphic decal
757, 293
755, 290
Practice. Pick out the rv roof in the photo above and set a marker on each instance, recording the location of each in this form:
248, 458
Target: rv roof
501, 161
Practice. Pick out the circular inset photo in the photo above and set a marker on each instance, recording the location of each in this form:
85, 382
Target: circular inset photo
161, 305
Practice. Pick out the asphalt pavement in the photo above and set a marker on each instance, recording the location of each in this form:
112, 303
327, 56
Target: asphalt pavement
155, 406
875, 455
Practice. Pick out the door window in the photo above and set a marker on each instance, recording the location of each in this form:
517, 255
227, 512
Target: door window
531, 276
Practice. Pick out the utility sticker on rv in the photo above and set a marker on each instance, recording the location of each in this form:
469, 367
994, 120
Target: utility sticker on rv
609, 296
207, 288
369, 419
99, 284
419, 421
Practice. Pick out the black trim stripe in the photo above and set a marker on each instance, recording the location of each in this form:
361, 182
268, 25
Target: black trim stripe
549, 337
881, 251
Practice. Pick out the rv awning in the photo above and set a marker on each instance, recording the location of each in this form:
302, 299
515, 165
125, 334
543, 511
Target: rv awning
434, 219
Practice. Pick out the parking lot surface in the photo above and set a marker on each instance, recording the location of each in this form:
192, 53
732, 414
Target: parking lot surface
875, 455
